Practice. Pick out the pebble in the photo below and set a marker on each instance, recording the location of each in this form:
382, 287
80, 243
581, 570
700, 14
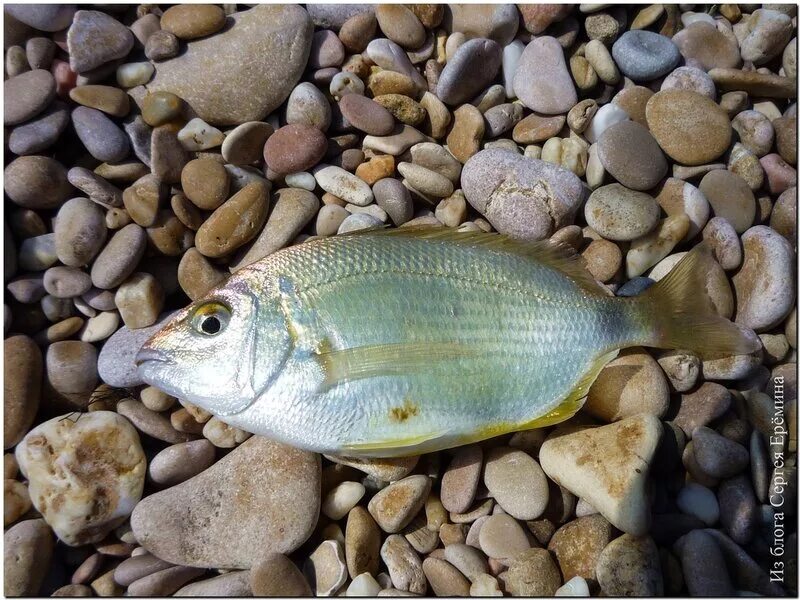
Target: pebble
606, 116
244, 145
764, 35
692, 79
689, 127
342, 184
95, 38
394, 506
764, 285
119, 257
444, 578
573, 461
516, 482
470, 70
22, 388
708, 46
716, 455
393, 197
130, 75
495, 181
630, 566
645, 55
341, 499
532, 572
276, 38
403, 564
501, 537
101, 136
325, 568
274, 574
40, 132
498, 22
648, 250
205, 182
362, 542
577, 546
703, 565
681, 368
730, 197
44, 17
161, 45
189, 22
191, 523
576, 587
699, 501
461, 478
26, 95
27, 551
36, 182
294, 147
292, 210
235, 222
366, 115
110, 100
65, 483
631, 155
618, 213
542, 81
755, 131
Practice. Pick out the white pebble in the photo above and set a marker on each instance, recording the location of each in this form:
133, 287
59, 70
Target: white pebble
358, 222
341, 499
99, 327
575, 587
343, 185
605, 117
199, 135
346, 83
511, 54
132, 74
371, 209
363, 585
302, 180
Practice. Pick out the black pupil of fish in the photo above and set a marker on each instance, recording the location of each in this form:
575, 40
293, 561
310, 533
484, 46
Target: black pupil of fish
211, 325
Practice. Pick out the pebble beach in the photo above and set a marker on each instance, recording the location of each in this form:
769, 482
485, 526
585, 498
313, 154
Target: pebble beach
153, 150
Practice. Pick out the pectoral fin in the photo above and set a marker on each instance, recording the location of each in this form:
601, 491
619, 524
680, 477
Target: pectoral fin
379, 360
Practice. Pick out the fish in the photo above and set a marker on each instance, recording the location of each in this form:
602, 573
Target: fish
396, 342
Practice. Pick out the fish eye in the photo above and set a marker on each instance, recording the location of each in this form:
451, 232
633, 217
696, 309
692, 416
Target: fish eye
211, 318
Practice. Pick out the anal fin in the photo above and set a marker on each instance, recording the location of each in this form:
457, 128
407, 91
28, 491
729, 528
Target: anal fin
576, 397
400, 446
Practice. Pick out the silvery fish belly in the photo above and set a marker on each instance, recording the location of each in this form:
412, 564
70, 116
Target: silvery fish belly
396, 343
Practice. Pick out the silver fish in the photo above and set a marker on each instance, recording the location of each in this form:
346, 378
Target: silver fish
397, 342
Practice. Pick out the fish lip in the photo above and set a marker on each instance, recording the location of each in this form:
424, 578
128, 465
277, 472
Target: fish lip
151, 355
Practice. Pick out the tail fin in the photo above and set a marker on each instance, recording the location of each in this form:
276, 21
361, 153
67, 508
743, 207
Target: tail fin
683, 316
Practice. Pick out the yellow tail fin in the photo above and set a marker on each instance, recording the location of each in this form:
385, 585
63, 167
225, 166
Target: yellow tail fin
683, 316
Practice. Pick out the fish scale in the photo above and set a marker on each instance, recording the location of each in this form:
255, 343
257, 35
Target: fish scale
526, 325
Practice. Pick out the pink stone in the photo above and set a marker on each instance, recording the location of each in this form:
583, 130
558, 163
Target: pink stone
780, 175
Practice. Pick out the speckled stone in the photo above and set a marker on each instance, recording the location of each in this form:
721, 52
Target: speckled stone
542, 81
631, 155
645, 55
469, 71
276, 38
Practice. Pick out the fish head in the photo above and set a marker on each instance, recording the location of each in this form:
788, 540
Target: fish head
221, 352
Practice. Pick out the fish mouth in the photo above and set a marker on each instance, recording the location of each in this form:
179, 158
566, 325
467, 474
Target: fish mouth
151, 355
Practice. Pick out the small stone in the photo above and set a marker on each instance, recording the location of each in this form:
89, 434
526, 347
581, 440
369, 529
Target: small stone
532, 573
498, 22
119, 258
235, 583
234, 223
577, 546
603, 259
689, 127
362, 542
620, 214
22, 387
764, 285
41, 132
130, 75
95, 38
366, 115
36, 182
461, 478
631, 155
764, 35
699, 501
516, 482
708, 46
115, 471
630, 566
500, 182
542, 81
161, 45
403, 564
645, 55
703, 565
191, 524
294, 147
470, 70
716, 455
730, 197
501, 537
394, 506
139, 300
110, 100
26, 95
444, 578
205, 182
681, 368
325, 568
582, 462
27, 552
653, 247
338, 502
276, 575
101, 136
344, 185
191, 21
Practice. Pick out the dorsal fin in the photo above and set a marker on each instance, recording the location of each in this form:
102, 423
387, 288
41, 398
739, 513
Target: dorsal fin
550, 254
